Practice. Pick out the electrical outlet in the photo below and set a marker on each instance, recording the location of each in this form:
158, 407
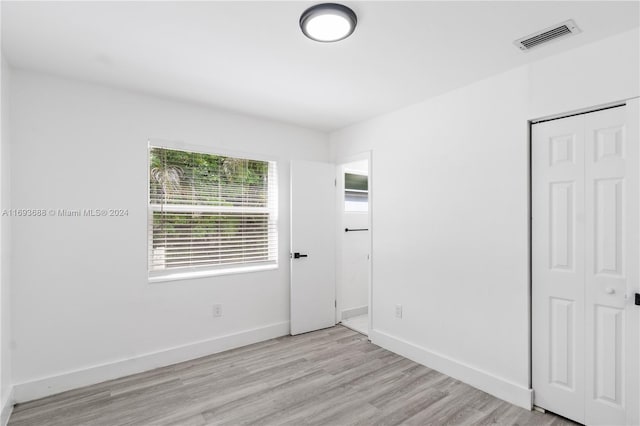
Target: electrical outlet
217, 310
398, 311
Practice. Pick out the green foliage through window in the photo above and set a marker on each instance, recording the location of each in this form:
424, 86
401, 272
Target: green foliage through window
210, 210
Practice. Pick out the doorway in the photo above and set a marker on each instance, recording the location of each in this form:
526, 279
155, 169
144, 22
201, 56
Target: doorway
585, 265
353, 266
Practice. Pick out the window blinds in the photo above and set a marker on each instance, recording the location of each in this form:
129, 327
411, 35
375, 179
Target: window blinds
210, 212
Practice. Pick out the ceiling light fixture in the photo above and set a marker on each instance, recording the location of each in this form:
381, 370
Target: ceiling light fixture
328, 22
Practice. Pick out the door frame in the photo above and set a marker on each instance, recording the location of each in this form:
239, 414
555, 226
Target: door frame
339, 162
530, 123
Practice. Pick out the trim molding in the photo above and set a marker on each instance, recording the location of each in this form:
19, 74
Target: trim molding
52, 385
485, 381
354, 312
6, 408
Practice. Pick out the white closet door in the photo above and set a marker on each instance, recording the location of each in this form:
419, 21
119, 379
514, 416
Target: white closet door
558, 266
585, 238
611, 198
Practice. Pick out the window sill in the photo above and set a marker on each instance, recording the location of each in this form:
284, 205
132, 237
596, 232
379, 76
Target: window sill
178, 276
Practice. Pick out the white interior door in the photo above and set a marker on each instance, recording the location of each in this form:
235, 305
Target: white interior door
313, 288
585, 326
611, 179
558, 238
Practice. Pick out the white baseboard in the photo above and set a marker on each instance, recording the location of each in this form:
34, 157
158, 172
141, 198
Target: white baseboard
487, 382
6, 407
354, 312
47, 386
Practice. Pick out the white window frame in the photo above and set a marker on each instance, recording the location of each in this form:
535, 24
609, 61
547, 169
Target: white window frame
211, 270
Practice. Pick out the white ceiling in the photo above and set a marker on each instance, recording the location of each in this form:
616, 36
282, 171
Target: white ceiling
252, 58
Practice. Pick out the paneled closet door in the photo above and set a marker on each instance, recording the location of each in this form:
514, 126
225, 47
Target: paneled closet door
585, 266
558, 240
611, 197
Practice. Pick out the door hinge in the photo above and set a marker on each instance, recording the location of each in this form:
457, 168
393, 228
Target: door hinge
335, 182
335, 303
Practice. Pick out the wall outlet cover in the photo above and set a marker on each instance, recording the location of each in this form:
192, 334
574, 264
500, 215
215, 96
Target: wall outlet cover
398, 311
217, 310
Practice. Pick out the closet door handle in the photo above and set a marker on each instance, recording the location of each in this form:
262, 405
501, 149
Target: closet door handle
638, 299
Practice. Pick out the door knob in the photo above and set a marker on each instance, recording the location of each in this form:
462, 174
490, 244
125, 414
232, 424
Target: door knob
298, 255
609, 290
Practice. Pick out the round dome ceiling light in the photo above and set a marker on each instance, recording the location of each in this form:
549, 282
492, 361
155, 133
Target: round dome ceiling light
328, 22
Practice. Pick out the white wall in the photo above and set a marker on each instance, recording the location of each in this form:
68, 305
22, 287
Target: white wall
5, 248
450, 211
81, 297
601, 72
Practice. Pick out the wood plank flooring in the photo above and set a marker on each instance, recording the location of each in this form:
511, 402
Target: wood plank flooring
328, 377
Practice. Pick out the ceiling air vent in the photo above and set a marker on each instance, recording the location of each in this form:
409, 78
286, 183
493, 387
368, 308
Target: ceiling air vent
561, 30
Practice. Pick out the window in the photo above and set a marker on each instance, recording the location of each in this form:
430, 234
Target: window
210, 214
356, 192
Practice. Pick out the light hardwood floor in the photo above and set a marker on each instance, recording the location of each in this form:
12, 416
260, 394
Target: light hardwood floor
329, 377
359, 324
